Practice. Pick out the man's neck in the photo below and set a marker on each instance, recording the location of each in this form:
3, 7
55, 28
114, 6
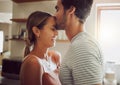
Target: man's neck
76, 28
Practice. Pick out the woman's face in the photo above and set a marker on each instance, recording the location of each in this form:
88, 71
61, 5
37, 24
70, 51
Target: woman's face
48, 33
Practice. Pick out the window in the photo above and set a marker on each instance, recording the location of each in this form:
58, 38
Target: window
108, 31
1, 41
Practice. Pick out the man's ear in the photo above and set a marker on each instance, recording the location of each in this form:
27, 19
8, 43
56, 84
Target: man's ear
72, 10
36, 31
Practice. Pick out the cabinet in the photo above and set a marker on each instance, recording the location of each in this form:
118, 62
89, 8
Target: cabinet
21, 36
61, 35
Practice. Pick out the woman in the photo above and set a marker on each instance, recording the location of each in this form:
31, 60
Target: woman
40, 66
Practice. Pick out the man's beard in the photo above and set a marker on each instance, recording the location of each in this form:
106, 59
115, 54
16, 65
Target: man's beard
61, 25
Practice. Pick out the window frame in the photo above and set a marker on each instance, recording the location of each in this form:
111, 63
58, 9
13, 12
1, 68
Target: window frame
99, 9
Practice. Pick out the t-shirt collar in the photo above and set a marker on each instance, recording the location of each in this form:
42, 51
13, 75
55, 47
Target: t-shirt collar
76, 36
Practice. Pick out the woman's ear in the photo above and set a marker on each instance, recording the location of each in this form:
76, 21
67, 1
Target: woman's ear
72, 10
36, 31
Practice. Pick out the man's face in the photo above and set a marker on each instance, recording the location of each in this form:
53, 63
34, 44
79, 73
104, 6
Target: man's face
60, 15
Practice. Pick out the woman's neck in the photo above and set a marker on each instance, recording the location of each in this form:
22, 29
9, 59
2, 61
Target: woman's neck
41, 52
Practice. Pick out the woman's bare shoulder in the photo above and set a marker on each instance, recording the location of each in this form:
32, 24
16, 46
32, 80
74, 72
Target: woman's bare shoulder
31, 70
55, 56
31, 59
31, 62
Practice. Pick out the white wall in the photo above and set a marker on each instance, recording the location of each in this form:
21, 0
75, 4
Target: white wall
6, 6
24, 9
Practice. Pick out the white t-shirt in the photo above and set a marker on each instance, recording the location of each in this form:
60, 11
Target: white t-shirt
83, 63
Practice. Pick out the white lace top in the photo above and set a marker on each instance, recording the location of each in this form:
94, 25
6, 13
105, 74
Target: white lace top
48, 66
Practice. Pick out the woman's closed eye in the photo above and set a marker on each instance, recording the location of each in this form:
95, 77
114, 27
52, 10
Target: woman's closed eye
54, 28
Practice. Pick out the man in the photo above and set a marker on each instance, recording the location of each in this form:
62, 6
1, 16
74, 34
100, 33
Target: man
83, 62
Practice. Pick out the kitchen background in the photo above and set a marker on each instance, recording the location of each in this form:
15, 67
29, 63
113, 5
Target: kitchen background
12, 10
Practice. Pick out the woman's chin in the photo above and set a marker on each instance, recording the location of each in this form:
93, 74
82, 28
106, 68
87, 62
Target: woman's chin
52, 45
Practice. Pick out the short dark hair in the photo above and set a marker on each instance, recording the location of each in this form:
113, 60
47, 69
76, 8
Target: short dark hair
83, 7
